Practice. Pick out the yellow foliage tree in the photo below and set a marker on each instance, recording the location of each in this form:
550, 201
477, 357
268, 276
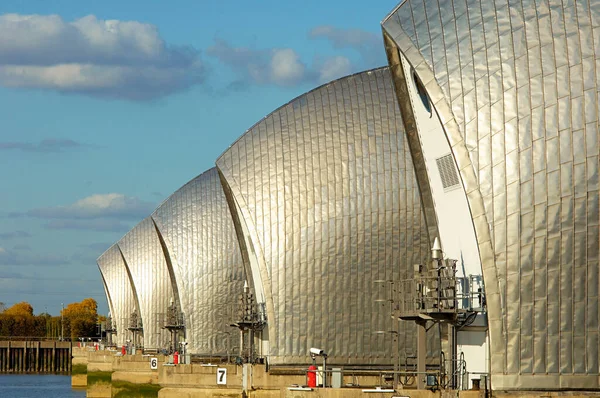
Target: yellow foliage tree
23, 309
18, 320
81, 318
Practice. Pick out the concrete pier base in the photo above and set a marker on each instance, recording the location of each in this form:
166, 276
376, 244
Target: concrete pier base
79, 368
108, 375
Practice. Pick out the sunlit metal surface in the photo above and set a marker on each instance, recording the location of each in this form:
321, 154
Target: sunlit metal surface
145, 260
326, 189
120, 295
516, 87
198, 232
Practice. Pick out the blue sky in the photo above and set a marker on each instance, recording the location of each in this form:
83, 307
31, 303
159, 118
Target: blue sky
109, 107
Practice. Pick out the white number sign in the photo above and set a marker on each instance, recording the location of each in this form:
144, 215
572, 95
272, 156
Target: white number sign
221, 376
153, 363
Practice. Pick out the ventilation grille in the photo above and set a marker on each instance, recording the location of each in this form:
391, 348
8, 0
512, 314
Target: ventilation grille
448, 172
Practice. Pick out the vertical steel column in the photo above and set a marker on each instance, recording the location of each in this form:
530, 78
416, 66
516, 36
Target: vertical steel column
421, 353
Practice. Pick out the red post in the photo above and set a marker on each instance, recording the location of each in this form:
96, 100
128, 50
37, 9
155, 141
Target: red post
123, 350
175, 358
311, 376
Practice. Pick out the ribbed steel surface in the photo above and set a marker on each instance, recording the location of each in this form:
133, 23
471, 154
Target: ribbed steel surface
325, 185
120, 294
198, 232
516, 87
145, 260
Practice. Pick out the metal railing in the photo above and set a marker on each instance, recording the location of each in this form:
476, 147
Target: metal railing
439, 291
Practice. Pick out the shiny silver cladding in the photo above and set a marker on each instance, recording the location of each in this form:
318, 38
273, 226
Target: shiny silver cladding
196, 226
119, 292
145, 260
516, 87
326, 188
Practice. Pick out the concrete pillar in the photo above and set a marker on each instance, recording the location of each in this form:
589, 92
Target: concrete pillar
37, 357
53, 364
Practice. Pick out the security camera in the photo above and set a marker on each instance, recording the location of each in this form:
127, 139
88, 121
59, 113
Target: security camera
318, 351
184, 343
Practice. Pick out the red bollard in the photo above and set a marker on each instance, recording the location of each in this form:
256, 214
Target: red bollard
123, 350
175, 358
311, 376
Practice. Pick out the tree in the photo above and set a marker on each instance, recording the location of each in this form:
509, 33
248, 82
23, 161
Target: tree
81, 318
18, 320
23, 309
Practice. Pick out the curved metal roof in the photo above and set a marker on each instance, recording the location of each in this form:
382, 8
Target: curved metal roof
326, 203
515, 86
199, 236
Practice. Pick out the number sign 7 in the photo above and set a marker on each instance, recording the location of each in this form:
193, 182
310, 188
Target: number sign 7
221, 376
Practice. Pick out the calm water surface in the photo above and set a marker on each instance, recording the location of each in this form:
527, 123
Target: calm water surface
38, 386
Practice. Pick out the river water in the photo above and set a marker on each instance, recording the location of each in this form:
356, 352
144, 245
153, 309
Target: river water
38, 386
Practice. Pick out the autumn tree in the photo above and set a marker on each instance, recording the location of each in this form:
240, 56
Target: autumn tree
19, 320
81, 318
22, 309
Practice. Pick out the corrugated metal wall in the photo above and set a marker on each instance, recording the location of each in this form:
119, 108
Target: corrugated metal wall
516, 85
325, 185
147, 265
196, 226
122, 300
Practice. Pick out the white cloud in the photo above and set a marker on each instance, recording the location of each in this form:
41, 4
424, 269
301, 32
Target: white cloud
100, 212
111, 205
334, 68
286, 67
368, 44
277, 66
108, 58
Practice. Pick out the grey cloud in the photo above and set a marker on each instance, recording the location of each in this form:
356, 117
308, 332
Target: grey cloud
97, 246
103, 58
14, 235
12, 257
367, 44
100, 225
6, 274
44, 146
